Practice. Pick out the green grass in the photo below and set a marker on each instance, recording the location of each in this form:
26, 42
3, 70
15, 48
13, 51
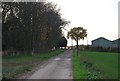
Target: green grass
15, 65
106, 62
102, 65
0, 67
79, 71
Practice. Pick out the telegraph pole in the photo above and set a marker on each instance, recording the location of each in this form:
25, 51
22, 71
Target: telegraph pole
71, 44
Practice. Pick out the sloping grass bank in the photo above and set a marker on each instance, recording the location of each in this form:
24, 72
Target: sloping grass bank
79, 71
95, 65
15, 65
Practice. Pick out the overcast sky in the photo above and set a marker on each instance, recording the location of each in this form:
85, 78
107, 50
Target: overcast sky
99, 17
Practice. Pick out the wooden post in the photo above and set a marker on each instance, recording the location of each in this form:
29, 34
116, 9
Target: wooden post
77, 46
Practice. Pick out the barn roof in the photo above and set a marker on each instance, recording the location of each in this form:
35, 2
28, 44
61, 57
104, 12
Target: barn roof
101, 38
117, 41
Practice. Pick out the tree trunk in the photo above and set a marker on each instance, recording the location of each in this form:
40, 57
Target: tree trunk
77, 47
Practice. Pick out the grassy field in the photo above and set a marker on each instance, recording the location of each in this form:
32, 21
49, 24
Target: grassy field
15, 65
95, 65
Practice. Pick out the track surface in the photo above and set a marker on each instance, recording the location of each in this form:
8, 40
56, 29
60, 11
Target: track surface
59, 67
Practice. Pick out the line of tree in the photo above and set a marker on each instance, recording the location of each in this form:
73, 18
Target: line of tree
31, 27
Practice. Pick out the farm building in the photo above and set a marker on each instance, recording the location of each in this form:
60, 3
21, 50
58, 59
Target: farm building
117, 41
104, 43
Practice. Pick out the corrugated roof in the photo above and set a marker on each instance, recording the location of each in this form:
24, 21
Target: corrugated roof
101, 38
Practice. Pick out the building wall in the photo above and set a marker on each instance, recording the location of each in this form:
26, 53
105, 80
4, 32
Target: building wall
103, 43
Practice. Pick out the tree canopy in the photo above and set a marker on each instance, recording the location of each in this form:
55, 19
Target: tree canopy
31, 27
77, 33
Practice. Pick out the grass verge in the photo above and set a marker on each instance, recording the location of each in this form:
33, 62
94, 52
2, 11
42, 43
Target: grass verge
15, 65
79, 71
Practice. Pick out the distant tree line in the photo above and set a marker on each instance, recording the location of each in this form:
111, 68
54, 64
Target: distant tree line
98, 48
103, 49
31, 27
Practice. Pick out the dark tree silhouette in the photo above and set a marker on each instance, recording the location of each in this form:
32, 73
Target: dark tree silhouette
62, 42
31, 27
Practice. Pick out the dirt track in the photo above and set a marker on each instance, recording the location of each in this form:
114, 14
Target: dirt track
57, 68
